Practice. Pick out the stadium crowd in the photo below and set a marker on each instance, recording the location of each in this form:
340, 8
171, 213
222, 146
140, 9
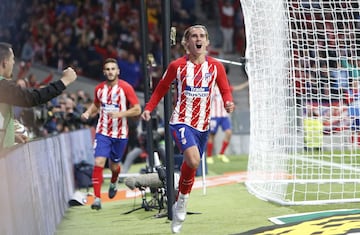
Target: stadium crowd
81, 34
325, 66
325, 48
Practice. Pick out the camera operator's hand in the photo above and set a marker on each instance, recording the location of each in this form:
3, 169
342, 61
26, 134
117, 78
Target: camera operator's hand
146, 115
69, 76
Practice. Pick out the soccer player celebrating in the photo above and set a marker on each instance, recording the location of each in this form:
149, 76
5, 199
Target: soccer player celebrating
112, 98
195, 74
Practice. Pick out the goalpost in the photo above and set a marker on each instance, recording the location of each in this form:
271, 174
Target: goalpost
303, 66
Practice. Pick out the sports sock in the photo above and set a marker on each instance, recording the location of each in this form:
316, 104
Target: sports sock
97, 179
187, 178
209, 149
223, 147
115, 175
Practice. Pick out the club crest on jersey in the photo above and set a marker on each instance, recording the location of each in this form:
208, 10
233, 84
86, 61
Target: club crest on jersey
115, 96
207, 76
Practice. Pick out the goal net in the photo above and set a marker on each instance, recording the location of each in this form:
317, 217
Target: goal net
303, 66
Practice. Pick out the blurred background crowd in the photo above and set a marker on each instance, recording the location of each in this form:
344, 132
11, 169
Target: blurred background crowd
326, 64
80, 34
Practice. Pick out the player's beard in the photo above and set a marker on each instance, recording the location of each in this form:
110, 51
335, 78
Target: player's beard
111, 79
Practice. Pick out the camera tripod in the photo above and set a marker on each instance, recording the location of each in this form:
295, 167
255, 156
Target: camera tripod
157, 201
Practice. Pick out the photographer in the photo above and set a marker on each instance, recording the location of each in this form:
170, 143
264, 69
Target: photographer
56, 117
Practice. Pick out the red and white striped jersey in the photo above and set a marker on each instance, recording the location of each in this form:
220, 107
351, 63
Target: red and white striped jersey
114, 99
194, 85
217, 104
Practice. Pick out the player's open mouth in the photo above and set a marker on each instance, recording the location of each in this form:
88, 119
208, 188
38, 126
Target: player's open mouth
198, 46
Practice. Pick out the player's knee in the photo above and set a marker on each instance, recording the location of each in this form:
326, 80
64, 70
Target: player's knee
100, 161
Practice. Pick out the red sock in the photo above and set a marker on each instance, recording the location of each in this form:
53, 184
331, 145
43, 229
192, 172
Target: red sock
209, 149
223, 147
115, 175
187, 178
97, 179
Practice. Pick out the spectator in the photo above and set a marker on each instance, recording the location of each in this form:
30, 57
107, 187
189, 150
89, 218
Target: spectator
227, 24
208, 7
11, 94
240, 37
130, 70
27, 52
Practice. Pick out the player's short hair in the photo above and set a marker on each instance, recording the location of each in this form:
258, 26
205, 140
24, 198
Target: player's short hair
109, 60
5, 52
187, 31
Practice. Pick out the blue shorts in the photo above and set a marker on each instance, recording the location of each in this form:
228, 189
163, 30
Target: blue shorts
186, 136
108, 147
215, 122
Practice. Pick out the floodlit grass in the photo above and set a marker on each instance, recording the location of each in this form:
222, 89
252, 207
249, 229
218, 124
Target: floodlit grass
227, 209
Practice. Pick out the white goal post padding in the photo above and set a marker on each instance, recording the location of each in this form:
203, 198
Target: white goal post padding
303, 64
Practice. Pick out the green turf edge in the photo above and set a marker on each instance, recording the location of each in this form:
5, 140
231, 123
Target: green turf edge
227, 209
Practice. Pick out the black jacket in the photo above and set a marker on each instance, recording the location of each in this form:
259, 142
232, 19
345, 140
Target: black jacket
11, 93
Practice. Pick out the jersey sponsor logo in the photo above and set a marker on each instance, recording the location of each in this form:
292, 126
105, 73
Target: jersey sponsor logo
191, 91
110, 107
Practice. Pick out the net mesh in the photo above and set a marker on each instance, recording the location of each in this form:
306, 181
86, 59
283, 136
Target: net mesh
303, 67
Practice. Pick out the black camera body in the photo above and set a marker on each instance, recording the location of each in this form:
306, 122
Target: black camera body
161, 170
